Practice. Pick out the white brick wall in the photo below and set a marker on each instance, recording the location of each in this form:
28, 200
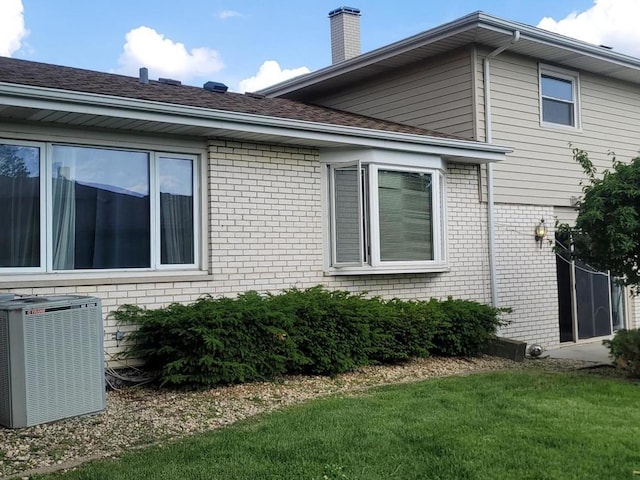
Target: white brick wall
527, 274
265, 234
265, 215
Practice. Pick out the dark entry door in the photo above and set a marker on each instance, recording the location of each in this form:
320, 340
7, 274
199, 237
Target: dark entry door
593, 302
565, 304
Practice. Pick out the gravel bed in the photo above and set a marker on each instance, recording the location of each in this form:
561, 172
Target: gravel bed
137, 417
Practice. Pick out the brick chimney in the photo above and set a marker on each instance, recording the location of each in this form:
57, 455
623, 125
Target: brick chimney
345, 33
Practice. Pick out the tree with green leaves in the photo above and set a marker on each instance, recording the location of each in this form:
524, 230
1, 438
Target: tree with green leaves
11, 165
607, 230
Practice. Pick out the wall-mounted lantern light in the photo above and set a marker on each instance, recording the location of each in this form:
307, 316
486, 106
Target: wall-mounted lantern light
541, 231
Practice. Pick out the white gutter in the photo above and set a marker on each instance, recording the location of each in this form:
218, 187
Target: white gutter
152, 111
488, 134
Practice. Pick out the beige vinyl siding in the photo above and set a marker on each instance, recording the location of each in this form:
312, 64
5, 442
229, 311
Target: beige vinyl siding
566, 215
436, 94
541, 170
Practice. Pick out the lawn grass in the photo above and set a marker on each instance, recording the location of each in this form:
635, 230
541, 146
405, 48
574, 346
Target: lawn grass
506, 425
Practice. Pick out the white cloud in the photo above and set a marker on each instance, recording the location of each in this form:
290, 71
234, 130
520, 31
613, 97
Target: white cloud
608, 22
12, 28
163, 57
224, 14
269, 74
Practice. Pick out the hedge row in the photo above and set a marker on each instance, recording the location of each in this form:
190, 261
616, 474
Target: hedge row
313, 331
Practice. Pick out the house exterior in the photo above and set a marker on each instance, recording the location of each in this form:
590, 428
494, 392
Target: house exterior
497, 81
150, 192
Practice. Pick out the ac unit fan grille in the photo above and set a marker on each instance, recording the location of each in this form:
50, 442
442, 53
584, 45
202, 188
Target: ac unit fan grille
63, 372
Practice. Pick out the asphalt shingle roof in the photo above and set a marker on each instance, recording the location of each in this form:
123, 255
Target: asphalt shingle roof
45, 75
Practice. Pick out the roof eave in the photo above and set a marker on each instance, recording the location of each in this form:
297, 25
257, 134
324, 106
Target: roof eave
151, 111
447, 31
374, 56
554, 39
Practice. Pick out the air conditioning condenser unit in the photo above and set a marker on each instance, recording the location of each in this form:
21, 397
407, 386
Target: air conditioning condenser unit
51, 358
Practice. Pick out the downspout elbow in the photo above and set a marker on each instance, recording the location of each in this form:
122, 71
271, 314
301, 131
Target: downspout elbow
515, 37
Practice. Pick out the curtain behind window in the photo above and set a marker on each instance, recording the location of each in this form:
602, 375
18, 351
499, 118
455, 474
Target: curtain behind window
64, 220
176, 211
101, 211
19, 206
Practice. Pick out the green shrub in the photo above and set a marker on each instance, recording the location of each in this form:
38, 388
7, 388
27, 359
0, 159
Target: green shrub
330, 330
625, 350
213, 341
312, 331
466, 327
403, 330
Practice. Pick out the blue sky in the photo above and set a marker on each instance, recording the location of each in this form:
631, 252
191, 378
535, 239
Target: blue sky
228, 41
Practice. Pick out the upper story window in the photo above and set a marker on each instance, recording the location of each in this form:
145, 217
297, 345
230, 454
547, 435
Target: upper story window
72, 208
385, 218
559, 97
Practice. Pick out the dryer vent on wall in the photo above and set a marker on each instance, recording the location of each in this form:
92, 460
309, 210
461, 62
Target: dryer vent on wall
51, 358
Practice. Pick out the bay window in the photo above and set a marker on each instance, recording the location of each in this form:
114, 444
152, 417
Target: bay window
79, 208
385, 217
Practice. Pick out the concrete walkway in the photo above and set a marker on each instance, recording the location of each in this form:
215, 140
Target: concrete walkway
589, 352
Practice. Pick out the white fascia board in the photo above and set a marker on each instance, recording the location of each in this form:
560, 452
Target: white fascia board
136, 109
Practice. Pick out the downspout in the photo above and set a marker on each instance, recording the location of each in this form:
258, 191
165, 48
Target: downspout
488, 138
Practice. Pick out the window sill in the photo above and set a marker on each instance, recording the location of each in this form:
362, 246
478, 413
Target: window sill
558, 127
440, 268
10, 281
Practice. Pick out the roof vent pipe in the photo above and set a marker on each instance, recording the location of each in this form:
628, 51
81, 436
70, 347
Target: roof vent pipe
345, 33
143, 76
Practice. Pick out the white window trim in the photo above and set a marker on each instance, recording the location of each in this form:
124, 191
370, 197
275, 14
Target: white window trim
100, 278
155, 211
43, 203
563, 74
45, 270
397, 161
